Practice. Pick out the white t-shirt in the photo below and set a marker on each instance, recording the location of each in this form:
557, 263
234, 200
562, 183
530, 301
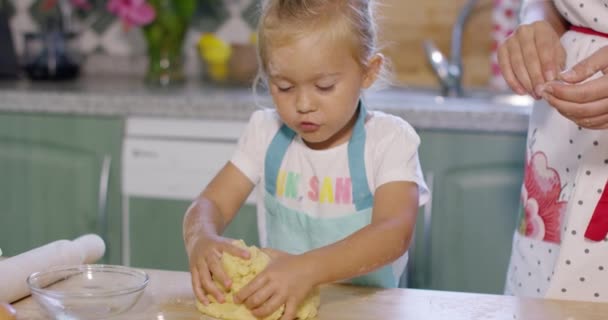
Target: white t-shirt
317, 182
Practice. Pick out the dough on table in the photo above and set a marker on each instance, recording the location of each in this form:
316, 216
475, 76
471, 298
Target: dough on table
242, 271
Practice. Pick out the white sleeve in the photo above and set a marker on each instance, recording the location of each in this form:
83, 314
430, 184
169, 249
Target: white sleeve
251, 149
396, 159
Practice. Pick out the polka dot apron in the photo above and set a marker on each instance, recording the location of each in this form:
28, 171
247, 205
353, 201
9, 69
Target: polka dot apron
560, 248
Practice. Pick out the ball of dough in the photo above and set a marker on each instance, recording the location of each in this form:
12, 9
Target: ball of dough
242, 271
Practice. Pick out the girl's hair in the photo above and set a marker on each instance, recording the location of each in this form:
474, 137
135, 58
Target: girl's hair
349, 21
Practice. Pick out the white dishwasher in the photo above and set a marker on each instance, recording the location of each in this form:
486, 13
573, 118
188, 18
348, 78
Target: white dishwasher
166, 164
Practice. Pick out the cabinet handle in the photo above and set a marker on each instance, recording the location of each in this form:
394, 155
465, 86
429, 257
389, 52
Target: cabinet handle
427, 215
102, 210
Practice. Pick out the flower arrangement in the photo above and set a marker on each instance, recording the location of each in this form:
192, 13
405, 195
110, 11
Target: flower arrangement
132, 12
164, 24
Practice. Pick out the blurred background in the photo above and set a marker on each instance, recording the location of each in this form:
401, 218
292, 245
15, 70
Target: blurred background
110, 48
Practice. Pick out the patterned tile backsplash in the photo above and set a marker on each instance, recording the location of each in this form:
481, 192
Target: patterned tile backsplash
100, 33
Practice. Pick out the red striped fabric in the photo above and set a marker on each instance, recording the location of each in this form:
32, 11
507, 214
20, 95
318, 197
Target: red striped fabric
588, 31
597, 230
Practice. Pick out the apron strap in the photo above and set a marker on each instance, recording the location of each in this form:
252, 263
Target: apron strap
274, 156
598, 225
362, 197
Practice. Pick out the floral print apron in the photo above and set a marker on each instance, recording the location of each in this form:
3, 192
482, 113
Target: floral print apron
560, 250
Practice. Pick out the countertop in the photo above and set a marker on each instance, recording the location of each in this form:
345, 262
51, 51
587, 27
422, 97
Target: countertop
127, 96
169, 297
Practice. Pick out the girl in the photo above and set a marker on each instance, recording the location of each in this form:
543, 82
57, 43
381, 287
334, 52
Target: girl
340, 184
560, 250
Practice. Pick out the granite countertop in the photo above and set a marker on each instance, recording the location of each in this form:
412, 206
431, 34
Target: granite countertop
127, 96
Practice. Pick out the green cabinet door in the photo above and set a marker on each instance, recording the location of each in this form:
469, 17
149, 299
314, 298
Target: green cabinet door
156, 232
463, 236
59, 178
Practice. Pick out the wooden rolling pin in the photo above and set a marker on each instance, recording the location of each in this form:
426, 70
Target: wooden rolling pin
15, 270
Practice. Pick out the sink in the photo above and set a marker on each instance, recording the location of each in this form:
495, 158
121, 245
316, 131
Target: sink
429, 97
478, 110
501, 98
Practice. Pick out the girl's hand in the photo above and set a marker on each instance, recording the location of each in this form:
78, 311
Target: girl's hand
205, 263
287, 280
530, 57
584, 103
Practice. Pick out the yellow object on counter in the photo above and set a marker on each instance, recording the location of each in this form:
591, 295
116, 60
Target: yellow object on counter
216, 53
242, 271
253, 38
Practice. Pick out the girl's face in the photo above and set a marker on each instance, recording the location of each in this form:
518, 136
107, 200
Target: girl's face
315, 84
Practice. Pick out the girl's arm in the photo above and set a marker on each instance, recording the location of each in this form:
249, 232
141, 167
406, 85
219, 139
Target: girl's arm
381, 242
205, 221
214, 208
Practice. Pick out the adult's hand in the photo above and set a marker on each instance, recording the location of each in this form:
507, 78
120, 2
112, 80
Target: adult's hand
530, 57
584, 102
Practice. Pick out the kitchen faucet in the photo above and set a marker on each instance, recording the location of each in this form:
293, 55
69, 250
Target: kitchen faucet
449, 72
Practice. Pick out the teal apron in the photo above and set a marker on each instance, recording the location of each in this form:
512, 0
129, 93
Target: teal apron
296, 232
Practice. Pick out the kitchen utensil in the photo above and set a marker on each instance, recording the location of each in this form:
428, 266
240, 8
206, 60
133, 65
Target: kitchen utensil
52, 54
14, 271
87, 291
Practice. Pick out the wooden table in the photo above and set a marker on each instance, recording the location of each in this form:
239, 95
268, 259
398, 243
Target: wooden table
169, 297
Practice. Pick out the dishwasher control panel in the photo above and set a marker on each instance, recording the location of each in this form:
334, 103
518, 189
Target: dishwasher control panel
175, 159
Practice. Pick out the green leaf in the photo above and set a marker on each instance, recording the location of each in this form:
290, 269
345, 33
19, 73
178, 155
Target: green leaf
171, 22
185, 8
153, 33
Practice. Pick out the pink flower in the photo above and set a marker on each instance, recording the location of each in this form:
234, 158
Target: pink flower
540, 199
132, 12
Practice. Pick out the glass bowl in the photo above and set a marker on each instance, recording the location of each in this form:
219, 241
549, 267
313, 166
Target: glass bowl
87, 291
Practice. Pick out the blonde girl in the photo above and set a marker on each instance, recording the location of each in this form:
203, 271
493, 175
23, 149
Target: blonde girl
340, 185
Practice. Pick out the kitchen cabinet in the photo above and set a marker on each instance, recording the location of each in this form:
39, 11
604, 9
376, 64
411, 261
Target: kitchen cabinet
59, 178
156, 232
166, 164
54, 172
463, 236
